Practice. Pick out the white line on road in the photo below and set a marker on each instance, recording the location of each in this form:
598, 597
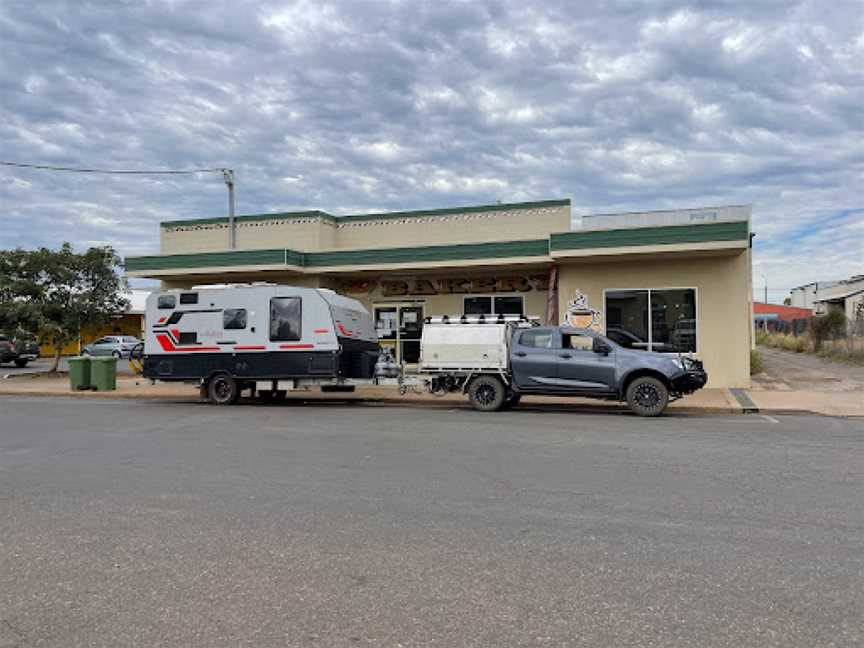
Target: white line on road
771, 419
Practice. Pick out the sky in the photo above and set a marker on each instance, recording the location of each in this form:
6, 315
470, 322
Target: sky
361, 106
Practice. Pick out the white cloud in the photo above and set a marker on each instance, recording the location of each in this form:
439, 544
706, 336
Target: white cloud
353, 107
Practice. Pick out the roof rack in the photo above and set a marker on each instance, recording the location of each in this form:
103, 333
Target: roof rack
519, 320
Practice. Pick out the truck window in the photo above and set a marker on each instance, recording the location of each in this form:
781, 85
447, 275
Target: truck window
234, 318
537, 339
166, 301
285, 319
577, 342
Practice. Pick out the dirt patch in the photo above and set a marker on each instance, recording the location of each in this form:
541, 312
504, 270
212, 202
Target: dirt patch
788, 371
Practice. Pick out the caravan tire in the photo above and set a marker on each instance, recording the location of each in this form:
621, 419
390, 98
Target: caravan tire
487, 394
223, 390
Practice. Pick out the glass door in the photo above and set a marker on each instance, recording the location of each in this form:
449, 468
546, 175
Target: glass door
399, 327
410, 329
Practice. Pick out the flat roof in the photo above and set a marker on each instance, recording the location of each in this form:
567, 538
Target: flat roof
372, 216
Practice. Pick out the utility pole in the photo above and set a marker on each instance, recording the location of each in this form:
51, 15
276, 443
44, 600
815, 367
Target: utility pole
228, 175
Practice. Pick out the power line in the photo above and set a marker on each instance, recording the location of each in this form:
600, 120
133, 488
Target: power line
47, 167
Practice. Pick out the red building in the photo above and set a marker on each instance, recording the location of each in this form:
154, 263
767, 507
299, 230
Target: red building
780, 312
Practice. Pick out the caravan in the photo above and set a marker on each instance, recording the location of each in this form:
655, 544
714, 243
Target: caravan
263, 337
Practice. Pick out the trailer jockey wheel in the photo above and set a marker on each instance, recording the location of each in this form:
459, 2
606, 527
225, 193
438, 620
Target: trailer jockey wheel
487, 394
223, 390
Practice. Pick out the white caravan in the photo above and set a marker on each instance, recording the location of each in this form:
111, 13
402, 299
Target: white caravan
263, 337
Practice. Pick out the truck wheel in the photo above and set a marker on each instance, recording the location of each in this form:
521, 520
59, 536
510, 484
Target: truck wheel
487, 394
223, 390
21, 363
647, 396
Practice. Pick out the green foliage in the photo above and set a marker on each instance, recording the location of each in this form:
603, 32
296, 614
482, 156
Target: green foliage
54, 294
787, 301
829, 326
780, 341
756, 365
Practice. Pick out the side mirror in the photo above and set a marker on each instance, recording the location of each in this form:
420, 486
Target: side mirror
599, 346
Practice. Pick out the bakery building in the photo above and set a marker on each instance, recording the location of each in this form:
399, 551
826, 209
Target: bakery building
659, 280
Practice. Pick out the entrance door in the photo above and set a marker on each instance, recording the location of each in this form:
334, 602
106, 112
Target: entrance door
581, 369
399, 327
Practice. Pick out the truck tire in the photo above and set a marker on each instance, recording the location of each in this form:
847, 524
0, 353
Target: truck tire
487, 393
223, 390
647, 396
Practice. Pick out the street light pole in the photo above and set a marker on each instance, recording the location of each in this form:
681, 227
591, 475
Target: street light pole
228, 175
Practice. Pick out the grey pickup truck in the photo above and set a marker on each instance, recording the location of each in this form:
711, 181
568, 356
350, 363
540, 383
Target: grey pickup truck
496, 363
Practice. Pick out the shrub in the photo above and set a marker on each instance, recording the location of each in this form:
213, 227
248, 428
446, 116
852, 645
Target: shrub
763, 337
829, 326
756, 365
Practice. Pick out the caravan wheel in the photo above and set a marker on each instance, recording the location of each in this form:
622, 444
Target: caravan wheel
223, 390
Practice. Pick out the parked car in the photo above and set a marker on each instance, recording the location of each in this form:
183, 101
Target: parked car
118, 346
18, 351
495, 364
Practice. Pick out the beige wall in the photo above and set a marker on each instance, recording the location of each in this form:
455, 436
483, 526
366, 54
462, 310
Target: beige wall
481, 227
722, 303
315, 234
303, 234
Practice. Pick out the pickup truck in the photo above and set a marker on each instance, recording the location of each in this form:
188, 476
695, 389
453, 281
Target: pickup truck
18, 351
495, 363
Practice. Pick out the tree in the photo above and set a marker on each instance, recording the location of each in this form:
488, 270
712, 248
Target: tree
55, 294
787, 301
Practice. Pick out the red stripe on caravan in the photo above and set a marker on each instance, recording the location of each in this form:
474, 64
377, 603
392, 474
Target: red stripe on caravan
322, 330
168, 347
343, 331
250, 348
296, 346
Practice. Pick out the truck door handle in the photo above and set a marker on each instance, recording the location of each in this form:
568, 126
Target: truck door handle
521, 354
565, 355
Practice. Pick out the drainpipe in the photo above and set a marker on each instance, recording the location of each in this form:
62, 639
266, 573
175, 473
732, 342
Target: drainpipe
552, 296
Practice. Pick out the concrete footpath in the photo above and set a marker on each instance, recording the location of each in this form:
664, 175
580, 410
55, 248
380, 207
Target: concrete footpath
707, 401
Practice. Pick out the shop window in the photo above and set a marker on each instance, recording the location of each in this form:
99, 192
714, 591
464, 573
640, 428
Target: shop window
166, 301
495, 305
661, 320
285, 319
188, 298
234, 318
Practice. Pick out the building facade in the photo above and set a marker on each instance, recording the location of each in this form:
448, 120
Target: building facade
661, 281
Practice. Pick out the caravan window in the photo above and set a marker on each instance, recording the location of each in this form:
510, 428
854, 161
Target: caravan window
234, 318
188, 298
166, 301
285, 319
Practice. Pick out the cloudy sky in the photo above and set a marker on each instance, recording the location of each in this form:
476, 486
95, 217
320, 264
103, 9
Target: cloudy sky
372, 106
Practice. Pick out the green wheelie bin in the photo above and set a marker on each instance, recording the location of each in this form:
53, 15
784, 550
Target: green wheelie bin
79, 373
103, 374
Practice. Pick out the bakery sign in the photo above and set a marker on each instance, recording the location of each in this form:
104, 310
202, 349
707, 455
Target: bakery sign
448, 286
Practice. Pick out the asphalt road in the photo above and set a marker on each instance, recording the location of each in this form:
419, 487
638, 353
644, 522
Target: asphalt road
126, 523
41, 365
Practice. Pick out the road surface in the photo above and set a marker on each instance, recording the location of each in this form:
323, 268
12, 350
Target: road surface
126, 523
